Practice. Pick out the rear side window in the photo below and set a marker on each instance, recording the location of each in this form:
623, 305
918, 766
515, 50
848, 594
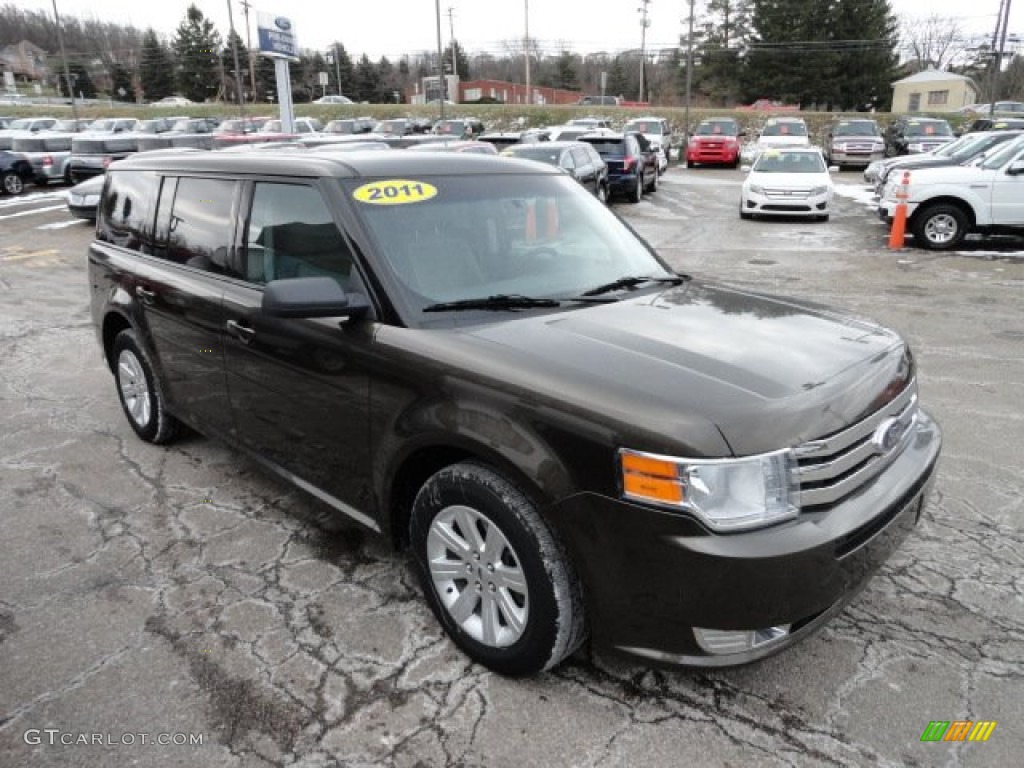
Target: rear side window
199, 233
125, 215
291, 234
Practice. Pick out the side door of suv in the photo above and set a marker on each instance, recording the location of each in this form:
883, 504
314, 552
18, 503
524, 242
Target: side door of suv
171, 281
298, 386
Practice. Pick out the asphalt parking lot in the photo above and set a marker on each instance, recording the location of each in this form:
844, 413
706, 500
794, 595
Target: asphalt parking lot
185, 593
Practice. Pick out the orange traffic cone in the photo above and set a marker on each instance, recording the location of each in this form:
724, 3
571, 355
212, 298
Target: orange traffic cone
899, 217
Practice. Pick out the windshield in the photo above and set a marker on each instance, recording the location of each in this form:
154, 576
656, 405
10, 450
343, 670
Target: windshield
979, 145
773, 161
390, 126
340, 126
643, 126
718, 128
21, 125
1005, 154
539, 152
938, 128
609, 147
784, 129
466, 237
859, 128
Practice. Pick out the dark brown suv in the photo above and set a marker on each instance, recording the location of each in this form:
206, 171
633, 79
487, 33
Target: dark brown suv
474, 357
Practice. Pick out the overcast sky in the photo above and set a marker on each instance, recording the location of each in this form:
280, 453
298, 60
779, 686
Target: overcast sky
395, 27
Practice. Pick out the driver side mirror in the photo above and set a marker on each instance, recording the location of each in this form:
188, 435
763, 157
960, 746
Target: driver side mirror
311, 297
1016, 168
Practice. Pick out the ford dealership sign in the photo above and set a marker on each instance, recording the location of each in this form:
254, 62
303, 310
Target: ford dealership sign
276, 36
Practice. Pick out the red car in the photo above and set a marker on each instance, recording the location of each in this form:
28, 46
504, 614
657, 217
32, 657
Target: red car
716, 141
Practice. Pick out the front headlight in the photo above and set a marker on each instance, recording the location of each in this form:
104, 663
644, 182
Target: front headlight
819, 190
91, 200
726, 494
756, 189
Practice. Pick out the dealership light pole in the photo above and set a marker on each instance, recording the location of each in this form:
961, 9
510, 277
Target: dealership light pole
440, 56
644, 24
248, 47
64, 56
526, 50
238, 71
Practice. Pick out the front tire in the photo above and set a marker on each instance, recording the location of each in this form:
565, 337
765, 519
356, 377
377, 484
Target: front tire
139, 391
602, 193
940, 227
493, 573
12, 183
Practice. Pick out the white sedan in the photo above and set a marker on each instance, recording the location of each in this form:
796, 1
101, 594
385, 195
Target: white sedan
787, 182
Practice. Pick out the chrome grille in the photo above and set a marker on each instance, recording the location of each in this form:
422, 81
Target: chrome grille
788, 194
834, 467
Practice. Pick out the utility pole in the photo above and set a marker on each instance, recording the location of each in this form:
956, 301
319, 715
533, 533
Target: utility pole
440, 56
526, 51
248, 47
238, 70
451, 34
1002, 21
689, 80
64, 56
644, 24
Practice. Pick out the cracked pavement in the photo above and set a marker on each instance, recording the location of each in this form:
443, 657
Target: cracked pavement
184, 590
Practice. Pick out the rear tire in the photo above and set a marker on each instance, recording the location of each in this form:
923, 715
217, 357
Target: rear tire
939, 227
637, 194
602, 193
139, 391
493, 573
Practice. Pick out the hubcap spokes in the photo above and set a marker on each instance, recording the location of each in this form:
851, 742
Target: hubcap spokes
132, 380
478, 576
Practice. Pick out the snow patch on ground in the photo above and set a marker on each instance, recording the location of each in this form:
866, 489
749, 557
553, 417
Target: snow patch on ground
859, 193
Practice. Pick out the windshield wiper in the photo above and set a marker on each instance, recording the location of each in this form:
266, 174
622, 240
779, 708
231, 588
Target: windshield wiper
497, 302
631, 281
503, 301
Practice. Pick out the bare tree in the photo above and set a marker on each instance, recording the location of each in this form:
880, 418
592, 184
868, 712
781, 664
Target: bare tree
933, 41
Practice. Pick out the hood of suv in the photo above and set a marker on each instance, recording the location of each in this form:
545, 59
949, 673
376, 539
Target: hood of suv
767, 373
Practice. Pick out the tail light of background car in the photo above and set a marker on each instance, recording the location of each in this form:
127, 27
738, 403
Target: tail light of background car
107, 161
47, 161
627, 164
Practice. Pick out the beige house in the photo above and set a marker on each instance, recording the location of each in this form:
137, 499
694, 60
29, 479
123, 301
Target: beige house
933, 91
26, 60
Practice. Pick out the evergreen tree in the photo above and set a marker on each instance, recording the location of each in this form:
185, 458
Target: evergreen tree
156, 73
724, 28
343, 68
80, 81
461, 62
566, 76
197, 45
866, 35
227, 63
121, 83
366, 85
387, 82
618, 83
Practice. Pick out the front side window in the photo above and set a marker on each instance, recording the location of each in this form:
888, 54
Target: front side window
291, 234
125, 213
200, 224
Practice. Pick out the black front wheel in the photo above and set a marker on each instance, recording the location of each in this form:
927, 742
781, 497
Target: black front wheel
493, 573
940, 227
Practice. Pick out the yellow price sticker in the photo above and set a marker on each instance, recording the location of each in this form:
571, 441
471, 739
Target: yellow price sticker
394, 192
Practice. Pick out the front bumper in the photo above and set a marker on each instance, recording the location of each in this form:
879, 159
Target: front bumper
856, 158
718, 155
651, 577
777, 204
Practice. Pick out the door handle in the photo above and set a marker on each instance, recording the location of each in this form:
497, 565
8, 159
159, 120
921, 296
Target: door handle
147, 296
241, 332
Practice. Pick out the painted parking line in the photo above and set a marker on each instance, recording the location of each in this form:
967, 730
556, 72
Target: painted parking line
32, 212
61, 224
40, 197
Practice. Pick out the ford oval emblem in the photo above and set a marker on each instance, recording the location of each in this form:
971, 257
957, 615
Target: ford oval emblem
282, 23
887, 436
